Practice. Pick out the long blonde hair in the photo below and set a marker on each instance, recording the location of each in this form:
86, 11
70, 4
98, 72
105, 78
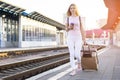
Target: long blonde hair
69, 13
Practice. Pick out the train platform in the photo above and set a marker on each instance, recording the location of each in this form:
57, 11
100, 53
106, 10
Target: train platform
108, 69
30, 48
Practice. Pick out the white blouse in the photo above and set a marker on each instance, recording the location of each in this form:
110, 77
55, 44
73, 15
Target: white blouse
76, 30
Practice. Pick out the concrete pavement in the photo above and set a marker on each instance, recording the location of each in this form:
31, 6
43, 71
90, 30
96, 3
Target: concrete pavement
108, 69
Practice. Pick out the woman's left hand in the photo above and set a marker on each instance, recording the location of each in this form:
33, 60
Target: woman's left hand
84, 42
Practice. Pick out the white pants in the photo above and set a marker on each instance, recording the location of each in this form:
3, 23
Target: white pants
74, 46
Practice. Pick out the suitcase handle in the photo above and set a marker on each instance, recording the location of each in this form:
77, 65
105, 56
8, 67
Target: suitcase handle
84, 48
88, 52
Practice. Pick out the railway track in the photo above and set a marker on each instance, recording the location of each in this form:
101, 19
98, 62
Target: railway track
26, 69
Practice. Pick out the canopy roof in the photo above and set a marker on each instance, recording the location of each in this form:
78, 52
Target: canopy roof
33, 15
39, 17
10, 8
113, 13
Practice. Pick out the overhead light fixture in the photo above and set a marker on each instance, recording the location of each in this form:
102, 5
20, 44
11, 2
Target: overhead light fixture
3, 15
119, 17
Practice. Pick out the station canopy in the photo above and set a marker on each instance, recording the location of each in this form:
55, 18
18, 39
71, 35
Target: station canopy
39, 17
113, 14
34, 15
10, 8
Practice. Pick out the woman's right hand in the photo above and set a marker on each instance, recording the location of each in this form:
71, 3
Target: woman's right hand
71, 27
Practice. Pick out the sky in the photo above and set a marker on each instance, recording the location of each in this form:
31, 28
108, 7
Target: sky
55, 9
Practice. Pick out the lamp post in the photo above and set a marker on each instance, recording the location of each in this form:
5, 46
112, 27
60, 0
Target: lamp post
93, 36
104, 35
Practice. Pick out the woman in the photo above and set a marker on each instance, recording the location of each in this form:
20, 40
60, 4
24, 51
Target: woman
75, 36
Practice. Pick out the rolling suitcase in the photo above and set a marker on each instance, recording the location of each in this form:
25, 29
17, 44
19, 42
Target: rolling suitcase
89, 59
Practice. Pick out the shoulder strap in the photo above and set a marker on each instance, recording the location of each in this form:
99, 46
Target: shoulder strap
68, 21
80, 21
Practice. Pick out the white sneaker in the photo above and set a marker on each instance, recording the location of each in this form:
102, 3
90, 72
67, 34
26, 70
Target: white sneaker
79, 67
73, 73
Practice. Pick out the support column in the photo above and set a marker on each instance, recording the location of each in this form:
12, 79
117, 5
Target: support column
2, 43
0, 31
20, 32
58, 38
